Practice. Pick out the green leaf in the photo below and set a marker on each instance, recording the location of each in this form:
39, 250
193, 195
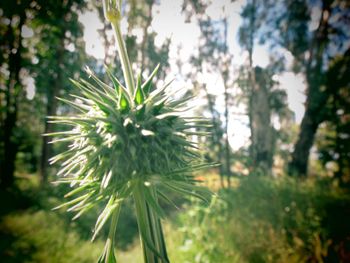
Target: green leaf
81, 204
60, 156
108, 254
123, 103
180, 102
157, 94
79, 106
106, 213
74, 201
108, 97
189, 189
140, 112
146, 86
84, 209
166, 198
117, 85
63, 133
107, 89
115, 81
152, 201
104, 102
139, 96
71, 138
76, 190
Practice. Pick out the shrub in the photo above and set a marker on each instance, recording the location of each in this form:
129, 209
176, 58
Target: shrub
267, 220
41, 237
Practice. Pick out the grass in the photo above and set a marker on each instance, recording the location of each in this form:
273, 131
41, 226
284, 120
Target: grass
30, 232
266, 220
42, 237
258, 220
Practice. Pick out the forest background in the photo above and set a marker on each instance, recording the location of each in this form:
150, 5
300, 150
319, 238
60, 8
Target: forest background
273, 78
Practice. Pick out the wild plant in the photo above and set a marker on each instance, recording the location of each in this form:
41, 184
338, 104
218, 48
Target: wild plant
128, 141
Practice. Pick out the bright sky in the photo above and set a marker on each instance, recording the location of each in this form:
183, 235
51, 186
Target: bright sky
169, 22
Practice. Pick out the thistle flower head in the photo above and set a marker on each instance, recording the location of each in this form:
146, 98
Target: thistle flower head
121, 143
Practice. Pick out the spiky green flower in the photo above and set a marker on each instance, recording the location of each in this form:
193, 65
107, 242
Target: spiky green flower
123, 145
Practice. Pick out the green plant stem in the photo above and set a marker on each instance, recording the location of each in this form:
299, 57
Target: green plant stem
113, 226
157, 229
151, 234
150, 229
108, 255
124, 58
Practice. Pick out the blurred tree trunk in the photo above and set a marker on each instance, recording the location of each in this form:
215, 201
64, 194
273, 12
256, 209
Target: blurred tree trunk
51, 109
227, 144
144, 43
216, 134
7, 165
108, 59
214, 54
313, 116
317, 97
260, 124
146, 55
225, 76
259, 112
251, 74
300, 156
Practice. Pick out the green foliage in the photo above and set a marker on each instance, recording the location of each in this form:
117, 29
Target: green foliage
260, 220
145, 53
42, 237
266, 220
333, 137
33, 233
